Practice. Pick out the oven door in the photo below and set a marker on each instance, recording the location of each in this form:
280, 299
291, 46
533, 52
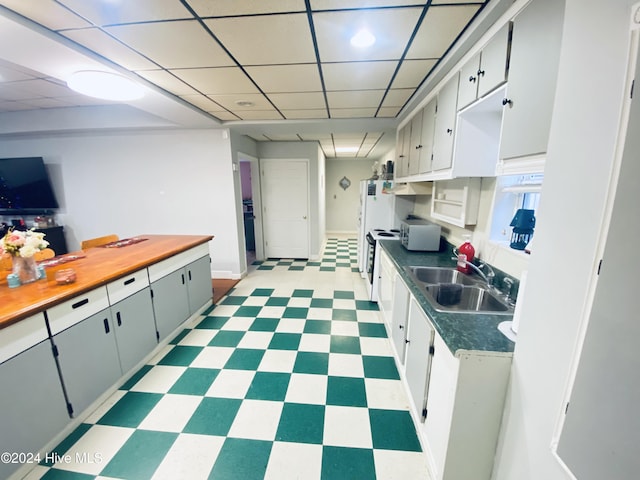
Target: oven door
371, 256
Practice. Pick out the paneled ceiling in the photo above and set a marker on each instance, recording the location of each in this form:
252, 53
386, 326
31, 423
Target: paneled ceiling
272, 69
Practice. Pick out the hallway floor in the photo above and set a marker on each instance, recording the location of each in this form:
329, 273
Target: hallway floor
290, 376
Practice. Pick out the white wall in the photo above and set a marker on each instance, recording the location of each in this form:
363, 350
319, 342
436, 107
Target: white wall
343, 205
580, 155
154, 182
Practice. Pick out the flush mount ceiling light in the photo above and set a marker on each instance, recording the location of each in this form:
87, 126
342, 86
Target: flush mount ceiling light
347, 149
105, 85
363, 39
244, 103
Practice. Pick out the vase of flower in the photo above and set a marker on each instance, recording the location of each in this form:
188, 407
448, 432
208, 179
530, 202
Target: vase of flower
25, 268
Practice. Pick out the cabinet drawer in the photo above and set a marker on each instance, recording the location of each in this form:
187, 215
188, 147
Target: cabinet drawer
127, 286
77, 309
165, 267
21, 336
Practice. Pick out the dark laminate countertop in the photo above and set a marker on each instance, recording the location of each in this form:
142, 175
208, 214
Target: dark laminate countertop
460, 331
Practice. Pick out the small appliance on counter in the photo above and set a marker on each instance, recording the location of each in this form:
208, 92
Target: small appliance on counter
417, 234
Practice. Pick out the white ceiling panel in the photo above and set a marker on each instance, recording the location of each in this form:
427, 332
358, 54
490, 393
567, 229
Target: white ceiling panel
439, 29
101, 13
301, 114
353, 112
268, 40
224, 8
222, 80
48, 13
258, 114
298, 101
358, 75
392, 29
168, 81
287, 78
354, 99
397, 97
181, 44
342, 4
388, 112
411, 73
236, 103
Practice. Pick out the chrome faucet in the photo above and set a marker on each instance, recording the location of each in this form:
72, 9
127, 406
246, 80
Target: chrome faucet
488, 277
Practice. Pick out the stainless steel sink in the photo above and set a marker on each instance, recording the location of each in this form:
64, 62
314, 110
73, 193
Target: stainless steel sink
437, 275
449, 290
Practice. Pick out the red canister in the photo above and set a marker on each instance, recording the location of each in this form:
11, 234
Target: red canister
467, 252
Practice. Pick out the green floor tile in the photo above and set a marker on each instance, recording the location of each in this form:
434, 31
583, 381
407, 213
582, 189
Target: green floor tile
277, 302
231, 300
241, 459
344, 314
247, 311
67, 443
327, 269
380, 367
130, 410
265, 267
264, 324
343, 294
179, 337
296, 268
312, 362
342, 463
212, 323
301, 423
321, 303
244, 359
269, 386
393, 430
346, 392
313, 264
285, 341
262, 292
372, 330
180, 356
226, 338
366, 305
303, 293
342, 264
140, 456
214, 416
317, 326
55, 474
295, 312
194, 381
285, 263
344, 344
135, 378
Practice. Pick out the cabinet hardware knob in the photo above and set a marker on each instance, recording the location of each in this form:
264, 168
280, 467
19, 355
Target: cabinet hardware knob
472, 79
449, 131
481, 73
400, 327
418, 147
507, 101
407, 341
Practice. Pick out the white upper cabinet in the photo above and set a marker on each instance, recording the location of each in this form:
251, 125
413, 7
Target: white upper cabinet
445, 125
403, 145
533, 69
415, 148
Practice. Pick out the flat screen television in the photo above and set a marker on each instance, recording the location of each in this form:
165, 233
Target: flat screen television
25, 187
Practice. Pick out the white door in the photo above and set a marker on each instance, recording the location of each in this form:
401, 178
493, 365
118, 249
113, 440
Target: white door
285, 206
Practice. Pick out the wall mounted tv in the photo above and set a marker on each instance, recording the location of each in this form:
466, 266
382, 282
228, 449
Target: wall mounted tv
25, 187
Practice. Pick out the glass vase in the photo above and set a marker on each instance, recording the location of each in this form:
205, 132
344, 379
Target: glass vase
25, 268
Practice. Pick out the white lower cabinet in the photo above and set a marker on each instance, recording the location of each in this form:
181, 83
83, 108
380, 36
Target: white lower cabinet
386, 285
399, 319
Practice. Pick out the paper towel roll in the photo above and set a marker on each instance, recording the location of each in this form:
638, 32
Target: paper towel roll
517, 311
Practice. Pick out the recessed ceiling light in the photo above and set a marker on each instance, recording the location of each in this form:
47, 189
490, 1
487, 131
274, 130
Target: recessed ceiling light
363, 39
244, 103
105, 85
347, 149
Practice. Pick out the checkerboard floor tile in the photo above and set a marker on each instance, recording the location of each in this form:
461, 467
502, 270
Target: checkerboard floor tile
290, 376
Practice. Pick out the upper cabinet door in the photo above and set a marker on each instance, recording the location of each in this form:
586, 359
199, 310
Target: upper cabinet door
415, 150
428, 129
494, 62
468, 89
445, 124
533, 69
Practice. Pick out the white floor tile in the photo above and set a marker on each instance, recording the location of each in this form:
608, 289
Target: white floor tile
159, 379
278, 361
99, 412
212, 357
190, 456
198, 337
386, 394
272, 312
299, 302
259, 340
375, 346
171, 413
231, 384
346, 328
160, 355
223, 311
369, 316
238, 324
344, 303
257, 419
319, 313
290, 325
345, 365
294, 461
307, 388
397, 465
347, 427
255, 301
314, 342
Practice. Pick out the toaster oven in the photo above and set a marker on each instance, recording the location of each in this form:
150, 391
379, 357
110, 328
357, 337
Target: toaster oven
420, 235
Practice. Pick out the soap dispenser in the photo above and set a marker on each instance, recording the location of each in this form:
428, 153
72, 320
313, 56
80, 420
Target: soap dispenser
466, 253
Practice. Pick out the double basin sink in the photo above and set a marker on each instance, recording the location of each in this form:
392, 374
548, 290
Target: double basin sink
449, 290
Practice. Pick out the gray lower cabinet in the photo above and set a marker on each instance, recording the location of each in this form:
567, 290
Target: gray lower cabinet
170, 302
88, 359
34, 413
134, 327
199, 285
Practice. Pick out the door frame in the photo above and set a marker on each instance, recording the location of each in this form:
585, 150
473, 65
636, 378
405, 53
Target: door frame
256, 197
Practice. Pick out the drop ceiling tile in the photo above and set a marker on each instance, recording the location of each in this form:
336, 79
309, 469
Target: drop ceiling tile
266, 40
392, 29
304, 114
358, 75
46, 12
440, 27
388, 112
320, 137
230, 102
224, 116
448, 2
101, 12
340, 4
221, 8
223, 80
297, 101
98, 41
180, 44
397, 97
354, 99
412, 73
282, 137
202, 102
286, 78
353, 112
259, 115
167, 81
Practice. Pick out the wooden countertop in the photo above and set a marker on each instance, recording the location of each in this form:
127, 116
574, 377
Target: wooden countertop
97, 267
